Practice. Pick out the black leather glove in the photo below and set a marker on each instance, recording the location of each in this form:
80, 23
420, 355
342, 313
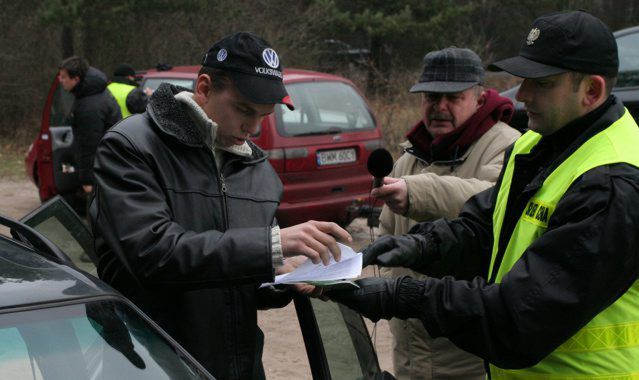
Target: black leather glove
407, 251
375, 299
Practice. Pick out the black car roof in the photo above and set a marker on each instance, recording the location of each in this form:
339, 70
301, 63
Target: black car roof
27, 278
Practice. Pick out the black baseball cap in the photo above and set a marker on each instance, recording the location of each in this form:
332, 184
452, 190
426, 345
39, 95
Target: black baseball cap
450, 70
123, 70
253, 65
561, 42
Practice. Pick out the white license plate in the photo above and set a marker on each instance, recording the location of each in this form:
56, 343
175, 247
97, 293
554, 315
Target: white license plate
334, 157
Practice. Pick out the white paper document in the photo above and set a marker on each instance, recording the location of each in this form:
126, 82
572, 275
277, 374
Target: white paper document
349, 267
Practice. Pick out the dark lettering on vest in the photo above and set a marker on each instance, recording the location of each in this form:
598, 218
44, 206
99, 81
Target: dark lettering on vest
538, 212
542, 214
531, 209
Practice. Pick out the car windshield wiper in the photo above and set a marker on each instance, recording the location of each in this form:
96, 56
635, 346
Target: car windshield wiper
328, 131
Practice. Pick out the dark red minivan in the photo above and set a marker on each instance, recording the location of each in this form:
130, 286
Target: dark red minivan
319, 150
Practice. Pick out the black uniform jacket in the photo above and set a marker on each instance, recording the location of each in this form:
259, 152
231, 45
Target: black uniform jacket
588, 257
94, 111
168, 236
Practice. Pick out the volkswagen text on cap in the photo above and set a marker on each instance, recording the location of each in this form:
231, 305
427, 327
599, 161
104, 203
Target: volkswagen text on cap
561, 42
450, 70
253, 65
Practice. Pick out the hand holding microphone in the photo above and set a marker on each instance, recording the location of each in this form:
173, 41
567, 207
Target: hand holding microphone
392, 191
379, 164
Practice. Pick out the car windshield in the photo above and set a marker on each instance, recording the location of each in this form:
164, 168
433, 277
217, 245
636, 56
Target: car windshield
323, 108
154, 83
628, 46
95, 340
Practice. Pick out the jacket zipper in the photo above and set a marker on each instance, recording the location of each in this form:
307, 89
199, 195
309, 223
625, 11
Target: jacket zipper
224, 202
222, 188
234, 371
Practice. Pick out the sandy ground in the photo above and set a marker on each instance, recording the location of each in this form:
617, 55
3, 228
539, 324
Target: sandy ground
284, 353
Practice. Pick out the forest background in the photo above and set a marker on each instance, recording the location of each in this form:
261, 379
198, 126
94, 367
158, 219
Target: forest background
378, 44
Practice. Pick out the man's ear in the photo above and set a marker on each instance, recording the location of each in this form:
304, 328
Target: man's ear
595, 93
203, 86
481, 99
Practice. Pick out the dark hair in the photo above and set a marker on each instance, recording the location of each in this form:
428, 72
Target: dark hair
610, 83
220, 78
75, 66
578, 77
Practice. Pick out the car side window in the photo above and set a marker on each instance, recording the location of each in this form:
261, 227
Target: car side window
57, 221
337, 342
628, 47
154, 83
323, 108
14, 358
61, 108
94, 340
346, 341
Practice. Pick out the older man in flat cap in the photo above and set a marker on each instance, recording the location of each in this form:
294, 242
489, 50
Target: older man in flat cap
455, 151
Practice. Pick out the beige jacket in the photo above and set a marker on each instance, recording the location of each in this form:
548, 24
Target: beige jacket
439, 190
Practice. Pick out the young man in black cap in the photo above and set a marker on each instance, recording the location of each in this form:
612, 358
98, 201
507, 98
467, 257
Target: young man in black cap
455, 151
185, 205
554, 244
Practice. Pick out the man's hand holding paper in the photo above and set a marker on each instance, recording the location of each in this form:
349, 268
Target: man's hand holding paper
335, 273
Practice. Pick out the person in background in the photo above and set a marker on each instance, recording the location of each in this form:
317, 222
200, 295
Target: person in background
553, 246
124, 88
454, 152
94, 111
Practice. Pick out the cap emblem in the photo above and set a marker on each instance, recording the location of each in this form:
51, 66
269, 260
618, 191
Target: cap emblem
532, 36
270, 58
221, 55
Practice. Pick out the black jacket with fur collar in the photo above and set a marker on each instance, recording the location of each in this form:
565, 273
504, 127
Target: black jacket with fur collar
186, 249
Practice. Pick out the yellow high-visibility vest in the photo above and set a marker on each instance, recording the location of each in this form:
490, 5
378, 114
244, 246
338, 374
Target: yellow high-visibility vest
608, 346
120, 92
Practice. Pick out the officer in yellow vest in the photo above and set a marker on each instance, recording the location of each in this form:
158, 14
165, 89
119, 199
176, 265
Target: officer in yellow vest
545, 264
122, 83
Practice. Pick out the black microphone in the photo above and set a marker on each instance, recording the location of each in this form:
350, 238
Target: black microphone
380, 164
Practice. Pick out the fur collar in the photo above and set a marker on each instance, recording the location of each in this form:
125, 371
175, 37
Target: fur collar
176, 114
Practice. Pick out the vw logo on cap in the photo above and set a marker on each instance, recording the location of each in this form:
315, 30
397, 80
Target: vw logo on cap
222, 54
270, 58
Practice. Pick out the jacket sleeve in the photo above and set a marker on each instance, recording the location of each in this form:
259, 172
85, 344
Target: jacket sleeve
584, 262
154, 248
432, 196
460, 247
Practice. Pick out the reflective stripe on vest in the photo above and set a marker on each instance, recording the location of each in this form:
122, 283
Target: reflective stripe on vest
120, 92
608, 346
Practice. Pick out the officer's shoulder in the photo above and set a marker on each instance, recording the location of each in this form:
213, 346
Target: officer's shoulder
607, 177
